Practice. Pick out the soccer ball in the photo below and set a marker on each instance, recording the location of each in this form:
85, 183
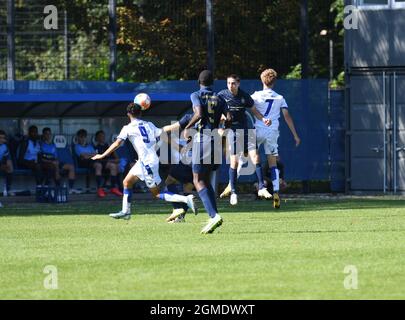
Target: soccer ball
143, 100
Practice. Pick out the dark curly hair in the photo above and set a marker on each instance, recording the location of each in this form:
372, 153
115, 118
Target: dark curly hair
134, 109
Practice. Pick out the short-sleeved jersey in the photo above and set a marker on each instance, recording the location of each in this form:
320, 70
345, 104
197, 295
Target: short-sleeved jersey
142, 135
269, 104
4, 152
88, 148
212, 107
237, 106
48, 150
33, 148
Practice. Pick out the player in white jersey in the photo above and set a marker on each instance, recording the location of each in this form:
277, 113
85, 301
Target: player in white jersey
142, 135
270, 104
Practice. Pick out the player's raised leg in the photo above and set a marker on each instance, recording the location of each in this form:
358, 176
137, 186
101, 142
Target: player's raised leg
173, 197
179, 209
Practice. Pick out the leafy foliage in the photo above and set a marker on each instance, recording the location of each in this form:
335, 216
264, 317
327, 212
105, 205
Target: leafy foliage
160, 40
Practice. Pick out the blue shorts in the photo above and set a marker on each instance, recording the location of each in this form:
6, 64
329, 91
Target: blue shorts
182, 173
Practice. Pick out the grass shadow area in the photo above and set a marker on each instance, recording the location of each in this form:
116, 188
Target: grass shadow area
144, 207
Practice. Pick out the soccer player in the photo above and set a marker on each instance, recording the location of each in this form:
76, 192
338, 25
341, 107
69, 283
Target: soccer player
238, 101
84, 151
28, 154
49, 159
208, 109
270, 104
142, 135
6, 164
110, 163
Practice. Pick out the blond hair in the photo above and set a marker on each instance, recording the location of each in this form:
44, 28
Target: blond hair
268, 77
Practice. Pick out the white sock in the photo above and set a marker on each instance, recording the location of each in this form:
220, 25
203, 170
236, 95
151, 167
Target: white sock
172, 197
276, 182
126, 205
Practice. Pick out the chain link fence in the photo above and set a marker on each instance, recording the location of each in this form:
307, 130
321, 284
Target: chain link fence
53, 47
156, 40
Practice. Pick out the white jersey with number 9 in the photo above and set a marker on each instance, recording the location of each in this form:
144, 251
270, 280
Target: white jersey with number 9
142, 135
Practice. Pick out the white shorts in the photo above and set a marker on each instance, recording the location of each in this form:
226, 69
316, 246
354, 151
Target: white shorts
269, 139
147, 173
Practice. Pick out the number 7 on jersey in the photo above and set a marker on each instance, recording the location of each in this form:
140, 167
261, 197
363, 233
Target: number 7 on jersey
270, 104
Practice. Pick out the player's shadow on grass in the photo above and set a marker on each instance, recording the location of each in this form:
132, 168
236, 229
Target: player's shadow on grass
143, 207
88, 208
312, 205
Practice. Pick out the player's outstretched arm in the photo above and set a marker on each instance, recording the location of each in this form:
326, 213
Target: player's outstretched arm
290, 124
114, 146
171, 127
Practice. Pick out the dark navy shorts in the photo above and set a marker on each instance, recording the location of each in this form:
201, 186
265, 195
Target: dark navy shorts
182, 173
204, 160
239, 142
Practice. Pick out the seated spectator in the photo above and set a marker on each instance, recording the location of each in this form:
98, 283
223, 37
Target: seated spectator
50, 161
6, 165
28, 154
111, 163
84, 151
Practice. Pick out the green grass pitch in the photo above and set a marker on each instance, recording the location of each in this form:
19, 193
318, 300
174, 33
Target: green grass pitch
298, 252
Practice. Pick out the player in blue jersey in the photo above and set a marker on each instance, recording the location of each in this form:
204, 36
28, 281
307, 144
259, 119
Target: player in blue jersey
49, 159
6, 165
238, 101
84, 151
208, 109
28, 153
111, 163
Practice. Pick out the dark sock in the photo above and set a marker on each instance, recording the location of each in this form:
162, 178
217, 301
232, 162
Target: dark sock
9, 179
71, 183
99, 181
113, 181
212, 197
38, 177
232, 178
206, 200
259, 174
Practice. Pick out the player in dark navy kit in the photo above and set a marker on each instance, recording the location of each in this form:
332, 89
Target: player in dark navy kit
238, 101
208, 109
